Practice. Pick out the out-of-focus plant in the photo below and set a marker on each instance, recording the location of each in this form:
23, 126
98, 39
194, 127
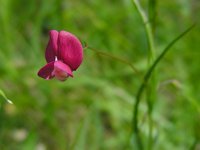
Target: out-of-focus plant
149, 22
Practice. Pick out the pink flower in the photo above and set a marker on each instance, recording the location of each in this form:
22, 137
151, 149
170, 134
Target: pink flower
64, 54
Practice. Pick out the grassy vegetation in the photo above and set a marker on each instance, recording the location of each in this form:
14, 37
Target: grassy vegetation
94, 109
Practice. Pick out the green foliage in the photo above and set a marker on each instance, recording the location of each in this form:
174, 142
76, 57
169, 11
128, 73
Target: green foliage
93, 110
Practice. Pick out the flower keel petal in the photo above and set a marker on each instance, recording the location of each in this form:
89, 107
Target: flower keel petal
61, 71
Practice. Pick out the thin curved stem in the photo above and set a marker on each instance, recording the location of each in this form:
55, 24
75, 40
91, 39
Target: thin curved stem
114, 57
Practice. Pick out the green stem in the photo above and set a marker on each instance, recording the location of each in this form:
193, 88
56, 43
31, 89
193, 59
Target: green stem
152, 88
148, 29
114, 57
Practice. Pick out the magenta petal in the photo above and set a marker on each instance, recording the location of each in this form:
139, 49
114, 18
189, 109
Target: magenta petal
70, 50
46, 71
52, 47
62, 71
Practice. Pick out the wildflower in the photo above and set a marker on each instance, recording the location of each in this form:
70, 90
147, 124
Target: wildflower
64, 54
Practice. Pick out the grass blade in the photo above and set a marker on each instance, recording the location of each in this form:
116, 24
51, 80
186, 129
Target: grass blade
148, 74
5, 97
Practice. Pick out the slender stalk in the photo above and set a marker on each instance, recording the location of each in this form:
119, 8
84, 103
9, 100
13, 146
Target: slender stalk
114, 57
147, 27
152, 87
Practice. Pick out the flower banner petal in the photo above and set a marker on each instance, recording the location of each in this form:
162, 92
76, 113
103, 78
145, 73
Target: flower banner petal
70, 49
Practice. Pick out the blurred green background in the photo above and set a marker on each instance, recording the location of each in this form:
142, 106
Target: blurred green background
93, 110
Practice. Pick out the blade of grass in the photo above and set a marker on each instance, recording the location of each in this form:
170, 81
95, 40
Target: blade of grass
151, 69
5, 97
145, 81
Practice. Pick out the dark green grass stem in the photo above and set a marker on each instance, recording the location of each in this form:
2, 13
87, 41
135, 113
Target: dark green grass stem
144, 83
